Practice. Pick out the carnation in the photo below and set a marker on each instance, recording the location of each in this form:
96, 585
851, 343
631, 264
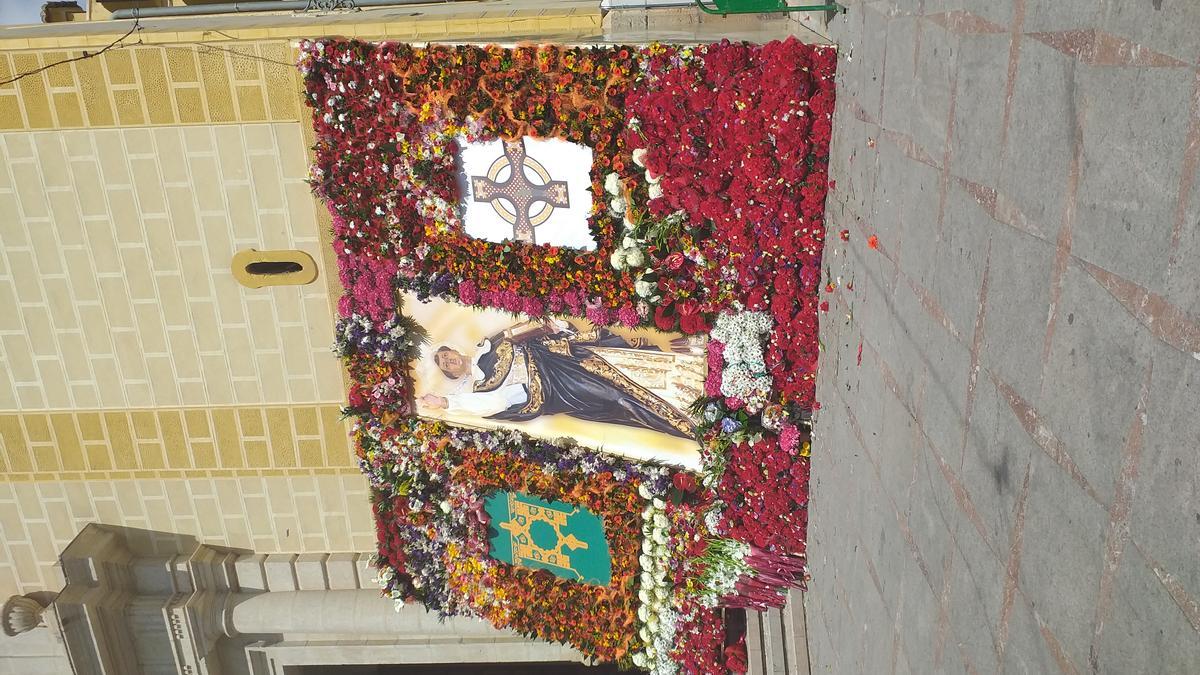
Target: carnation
628, 316
612, 184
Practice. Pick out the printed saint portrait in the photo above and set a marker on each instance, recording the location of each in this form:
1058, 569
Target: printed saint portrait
623, 391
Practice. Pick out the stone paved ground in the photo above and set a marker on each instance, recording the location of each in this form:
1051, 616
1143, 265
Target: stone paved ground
1007, 472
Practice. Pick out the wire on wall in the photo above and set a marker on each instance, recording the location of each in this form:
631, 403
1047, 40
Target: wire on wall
115, 44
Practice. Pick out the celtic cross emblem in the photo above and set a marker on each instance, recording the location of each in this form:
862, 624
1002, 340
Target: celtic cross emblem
519, 191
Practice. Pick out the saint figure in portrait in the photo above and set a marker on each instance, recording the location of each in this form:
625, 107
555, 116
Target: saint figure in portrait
550, 367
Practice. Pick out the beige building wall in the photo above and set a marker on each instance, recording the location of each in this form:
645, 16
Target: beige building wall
140, 383
287, 512
117, 246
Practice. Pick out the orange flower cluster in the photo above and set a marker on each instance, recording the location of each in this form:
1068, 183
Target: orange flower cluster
598, 620
541, 91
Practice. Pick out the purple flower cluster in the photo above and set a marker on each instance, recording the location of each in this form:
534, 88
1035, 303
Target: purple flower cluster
425, 563
393, 340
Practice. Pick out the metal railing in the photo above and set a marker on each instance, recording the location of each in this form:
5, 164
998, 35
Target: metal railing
725, 7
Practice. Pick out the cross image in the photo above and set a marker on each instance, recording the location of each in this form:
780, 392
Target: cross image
519, 190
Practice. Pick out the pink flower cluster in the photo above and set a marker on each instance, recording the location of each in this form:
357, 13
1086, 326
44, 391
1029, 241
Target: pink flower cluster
716, 363
370, 286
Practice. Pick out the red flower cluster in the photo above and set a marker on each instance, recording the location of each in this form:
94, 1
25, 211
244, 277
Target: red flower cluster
700, 637
738, 137
378, 388
387, 531
765, 492
700, 633
390, 515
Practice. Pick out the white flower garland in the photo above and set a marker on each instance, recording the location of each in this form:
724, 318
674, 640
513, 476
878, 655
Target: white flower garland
656, 613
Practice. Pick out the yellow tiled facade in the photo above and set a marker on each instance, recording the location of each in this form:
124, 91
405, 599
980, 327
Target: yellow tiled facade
172, 442
140, 384
296, 511
152, 85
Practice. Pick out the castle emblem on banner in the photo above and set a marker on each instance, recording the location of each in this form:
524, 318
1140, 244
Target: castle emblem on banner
564, 539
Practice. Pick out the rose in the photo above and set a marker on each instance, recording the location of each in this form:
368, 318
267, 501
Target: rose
663, 318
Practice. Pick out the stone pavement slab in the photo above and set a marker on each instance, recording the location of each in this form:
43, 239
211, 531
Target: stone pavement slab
1006, 465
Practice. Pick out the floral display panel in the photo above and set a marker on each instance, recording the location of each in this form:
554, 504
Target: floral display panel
446, 498
628, 391
705, 224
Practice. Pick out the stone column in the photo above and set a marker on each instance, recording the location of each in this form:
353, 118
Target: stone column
353, 612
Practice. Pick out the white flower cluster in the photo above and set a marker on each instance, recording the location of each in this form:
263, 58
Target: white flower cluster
384, 579
657, 613
630, 253
724, 564
745, 375
612, 185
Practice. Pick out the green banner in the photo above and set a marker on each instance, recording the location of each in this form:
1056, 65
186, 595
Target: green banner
564, 539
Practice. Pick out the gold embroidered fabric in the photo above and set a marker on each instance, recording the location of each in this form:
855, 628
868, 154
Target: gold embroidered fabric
504, 361
537, 396
525, 549
586, 336
675, 377
519, 373
598, 366
559, 346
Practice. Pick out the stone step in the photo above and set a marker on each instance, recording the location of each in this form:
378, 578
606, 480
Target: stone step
777, 640
304, 571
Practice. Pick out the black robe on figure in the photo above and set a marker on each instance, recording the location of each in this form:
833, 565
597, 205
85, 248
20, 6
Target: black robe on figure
566, 376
